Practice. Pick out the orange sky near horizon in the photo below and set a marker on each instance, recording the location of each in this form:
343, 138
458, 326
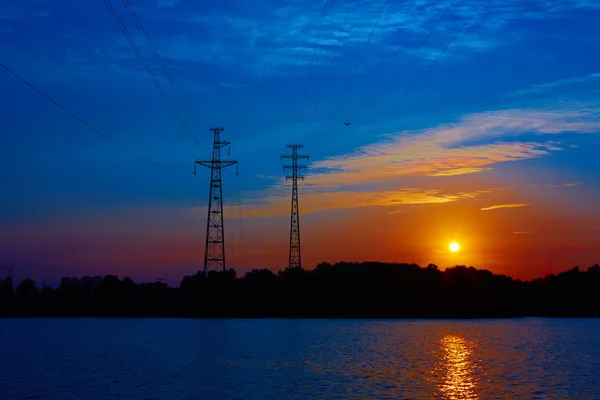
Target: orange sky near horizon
146, 243
401, 199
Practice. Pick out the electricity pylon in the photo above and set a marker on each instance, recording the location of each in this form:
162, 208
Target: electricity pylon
214, 250
295, 260
10, 271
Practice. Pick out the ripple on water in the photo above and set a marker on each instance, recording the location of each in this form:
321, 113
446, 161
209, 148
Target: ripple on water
298, 359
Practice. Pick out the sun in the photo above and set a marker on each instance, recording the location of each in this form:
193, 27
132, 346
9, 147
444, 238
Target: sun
454, 247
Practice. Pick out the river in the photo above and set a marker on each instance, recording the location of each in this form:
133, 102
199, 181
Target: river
299, 359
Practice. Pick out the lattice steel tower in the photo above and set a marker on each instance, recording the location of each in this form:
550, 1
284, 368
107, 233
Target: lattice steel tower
295, 256
214, 250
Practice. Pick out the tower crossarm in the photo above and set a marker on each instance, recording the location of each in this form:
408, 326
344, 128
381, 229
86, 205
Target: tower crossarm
221, 163
294, 166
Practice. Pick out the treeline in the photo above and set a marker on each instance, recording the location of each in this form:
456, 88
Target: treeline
343, 290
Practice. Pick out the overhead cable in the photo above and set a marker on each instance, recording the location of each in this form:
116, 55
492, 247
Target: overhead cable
159, 59
357, 63
309, 70
429, 67
399, 75
127, 149
137, 51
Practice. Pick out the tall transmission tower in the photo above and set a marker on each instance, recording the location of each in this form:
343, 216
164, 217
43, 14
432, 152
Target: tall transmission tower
214, 250
295, 256
10, 271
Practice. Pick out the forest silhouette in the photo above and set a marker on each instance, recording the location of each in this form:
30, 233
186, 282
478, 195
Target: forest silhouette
342, 290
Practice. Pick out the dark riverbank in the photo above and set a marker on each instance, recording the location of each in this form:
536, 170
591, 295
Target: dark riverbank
343, 290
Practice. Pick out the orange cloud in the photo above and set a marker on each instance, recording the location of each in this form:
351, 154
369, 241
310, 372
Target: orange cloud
313, 202
496, 207
471, 145
558, 185
445, 150
522, 233
570, 184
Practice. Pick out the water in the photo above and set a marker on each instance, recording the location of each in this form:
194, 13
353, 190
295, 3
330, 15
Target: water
298, 359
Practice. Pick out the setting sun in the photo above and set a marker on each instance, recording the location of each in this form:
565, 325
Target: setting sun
454, 247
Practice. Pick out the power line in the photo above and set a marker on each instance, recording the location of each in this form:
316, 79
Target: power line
429, 67
358, 62
83, 121
137, 51
310, 69
333, 57
389, 87
159, 59
393, 59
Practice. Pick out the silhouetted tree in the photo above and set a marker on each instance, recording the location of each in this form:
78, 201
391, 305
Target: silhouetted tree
27, 288
369, 289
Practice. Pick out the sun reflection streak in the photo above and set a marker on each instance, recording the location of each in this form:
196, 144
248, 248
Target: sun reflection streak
459, 382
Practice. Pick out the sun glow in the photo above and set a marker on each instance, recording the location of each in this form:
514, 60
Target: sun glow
454, 247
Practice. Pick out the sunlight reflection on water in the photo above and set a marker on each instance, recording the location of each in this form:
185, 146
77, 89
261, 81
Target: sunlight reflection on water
460, 382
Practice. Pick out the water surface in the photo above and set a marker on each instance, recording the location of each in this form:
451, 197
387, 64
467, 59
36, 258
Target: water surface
299, 359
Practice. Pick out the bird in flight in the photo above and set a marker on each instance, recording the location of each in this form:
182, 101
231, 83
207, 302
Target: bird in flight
346, 123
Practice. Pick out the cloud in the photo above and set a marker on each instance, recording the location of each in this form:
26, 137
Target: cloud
8, 14
21, 10
42, 14
474, 144
268, 177
396, 212
167, 3
497, 207
550, 86
585, 4
569, 184
233, 85
272, 41
522, 233
279, 205
471, 145
573, 184
285, 44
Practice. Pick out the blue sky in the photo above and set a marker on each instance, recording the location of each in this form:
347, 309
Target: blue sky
512, 103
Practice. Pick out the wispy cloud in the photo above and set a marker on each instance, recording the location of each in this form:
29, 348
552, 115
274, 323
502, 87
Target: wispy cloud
42, 14
522, 233
268, 177
476, 143
8, 14
569, 184
167, 3
277, 205
499, 206
550, 86
285, 44
573, 184
456, 149
396, 212
279, 40
233, 85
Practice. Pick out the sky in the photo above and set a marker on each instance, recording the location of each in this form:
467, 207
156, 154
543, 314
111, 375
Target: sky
470, 122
